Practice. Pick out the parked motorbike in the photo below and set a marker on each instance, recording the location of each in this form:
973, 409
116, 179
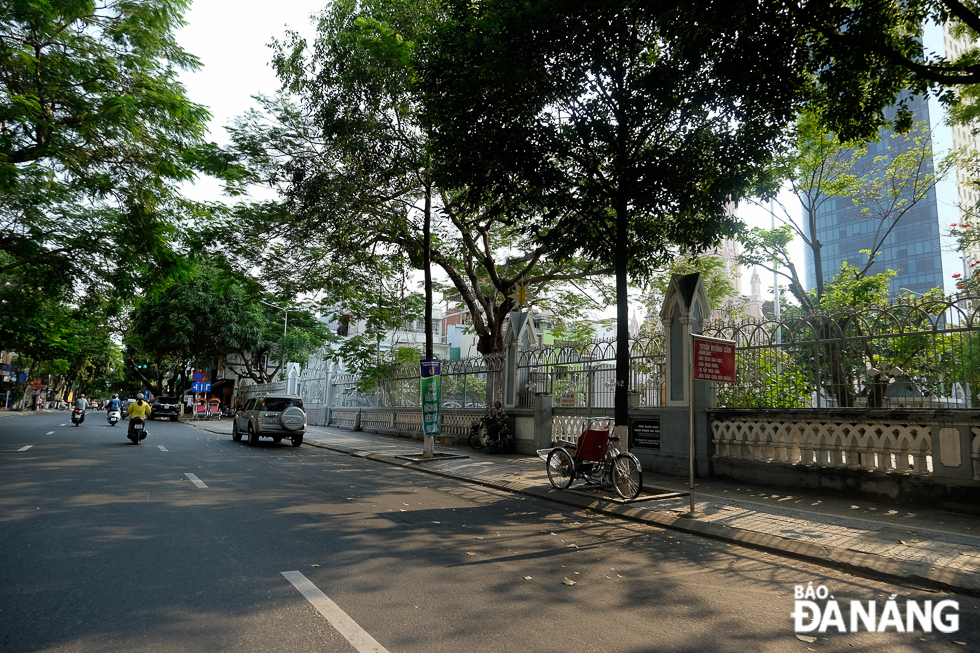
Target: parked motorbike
77, 416
480, 436
137, 430
113, 416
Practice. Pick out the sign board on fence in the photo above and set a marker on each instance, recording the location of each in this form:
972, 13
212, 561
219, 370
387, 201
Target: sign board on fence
201, 387
714, 359
645, 433
430, 395
566, 400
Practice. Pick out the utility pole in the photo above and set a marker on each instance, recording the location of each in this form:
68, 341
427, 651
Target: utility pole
282, 357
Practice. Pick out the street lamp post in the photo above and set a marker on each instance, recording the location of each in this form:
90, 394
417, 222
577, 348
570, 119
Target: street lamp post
282, 358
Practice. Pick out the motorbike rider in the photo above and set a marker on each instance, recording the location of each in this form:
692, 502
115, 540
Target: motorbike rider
139, 409
114, 403
81, 404
498, 421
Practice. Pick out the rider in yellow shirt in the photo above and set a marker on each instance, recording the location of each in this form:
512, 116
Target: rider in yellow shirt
139, 409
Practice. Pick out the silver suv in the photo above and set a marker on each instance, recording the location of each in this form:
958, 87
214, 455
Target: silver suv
275, 416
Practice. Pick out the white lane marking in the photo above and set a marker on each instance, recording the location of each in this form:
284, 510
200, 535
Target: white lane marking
25, 448
344, 625
49, 433
194, 479
62, 425
162, 448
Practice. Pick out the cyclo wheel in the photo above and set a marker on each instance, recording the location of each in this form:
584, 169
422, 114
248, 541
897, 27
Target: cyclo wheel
561, 468
627, 478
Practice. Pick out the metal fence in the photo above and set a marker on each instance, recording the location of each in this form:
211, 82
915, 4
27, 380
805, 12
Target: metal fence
911, 354
466, 383
247, 391
583, 375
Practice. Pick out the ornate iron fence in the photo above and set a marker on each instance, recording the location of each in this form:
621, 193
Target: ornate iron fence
911, 354
466, 383
583, 375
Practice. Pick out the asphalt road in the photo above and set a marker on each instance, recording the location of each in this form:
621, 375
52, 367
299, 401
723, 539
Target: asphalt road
109, 546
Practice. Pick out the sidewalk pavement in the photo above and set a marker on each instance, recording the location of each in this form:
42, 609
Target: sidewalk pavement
923, 547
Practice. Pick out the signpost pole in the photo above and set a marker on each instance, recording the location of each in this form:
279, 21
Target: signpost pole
429, 382
690, 404
711, 359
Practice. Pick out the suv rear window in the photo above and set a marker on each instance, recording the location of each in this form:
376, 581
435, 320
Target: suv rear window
166, 400
279, 404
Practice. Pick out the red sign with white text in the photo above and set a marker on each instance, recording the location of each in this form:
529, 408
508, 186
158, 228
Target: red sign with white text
714, 360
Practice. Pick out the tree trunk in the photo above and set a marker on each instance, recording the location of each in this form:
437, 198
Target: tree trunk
426, 258
622, 320
815, 251
843, 390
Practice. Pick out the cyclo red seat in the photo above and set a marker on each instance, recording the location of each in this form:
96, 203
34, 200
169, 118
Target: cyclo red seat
591, 445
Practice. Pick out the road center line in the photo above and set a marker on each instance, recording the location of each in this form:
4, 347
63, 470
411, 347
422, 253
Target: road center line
49, 433
195, 480
162, 448
25, 448
344, 625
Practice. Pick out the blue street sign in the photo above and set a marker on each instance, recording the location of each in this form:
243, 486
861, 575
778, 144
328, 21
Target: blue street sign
201, 387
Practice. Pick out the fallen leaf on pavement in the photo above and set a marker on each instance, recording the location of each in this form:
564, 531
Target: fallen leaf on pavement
314, 565
527, 578
568, 581
806, 638
470, 553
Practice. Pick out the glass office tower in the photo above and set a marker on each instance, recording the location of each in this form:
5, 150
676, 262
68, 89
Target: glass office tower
920, 248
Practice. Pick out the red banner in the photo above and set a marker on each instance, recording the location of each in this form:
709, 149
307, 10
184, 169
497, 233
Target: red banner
714, 360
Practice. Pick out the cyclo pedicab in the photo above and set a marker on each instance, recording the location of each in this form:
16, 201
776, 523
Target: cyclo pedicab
594, 458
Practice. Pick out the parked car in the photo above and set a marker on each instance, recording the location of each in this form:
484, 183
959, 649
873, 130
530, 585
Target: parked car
165, 407
276, 416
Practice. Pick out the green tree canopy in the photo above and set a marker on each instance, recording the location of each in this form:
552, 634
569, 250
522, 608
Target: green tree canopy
96, 134
353, 168
211, 314
628, 125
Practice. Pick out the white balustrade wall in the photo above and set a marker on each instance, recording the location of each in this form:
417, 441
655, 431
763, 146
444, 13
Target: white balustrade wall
858, 444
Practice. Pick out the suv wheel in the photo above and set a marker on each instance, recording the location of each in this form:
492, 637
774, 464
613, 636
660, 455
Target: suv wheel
253, 437
236, 435
297, 439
